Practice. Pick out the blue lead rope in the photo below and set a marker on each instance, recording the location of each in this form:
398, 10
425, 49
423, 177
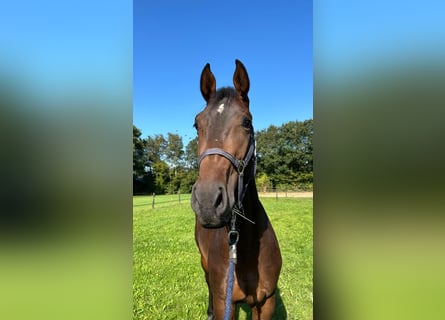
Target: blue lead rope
233, 237
229, 292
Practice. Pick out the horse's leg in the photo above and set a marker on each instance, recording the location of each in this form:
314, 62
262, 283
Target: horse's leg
265, 311
219, 306
210, 315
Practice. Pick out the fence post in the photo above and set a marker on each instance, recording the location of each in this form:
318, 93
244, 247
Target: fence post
179, 194
276, 193
153, 202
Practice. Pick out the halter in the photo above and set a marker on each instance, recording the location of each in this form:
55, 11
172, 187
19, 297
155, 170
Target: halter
239, 165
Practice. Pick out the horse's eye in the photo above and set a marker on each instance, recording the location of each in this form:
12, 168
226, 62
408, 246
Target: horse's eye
247, 123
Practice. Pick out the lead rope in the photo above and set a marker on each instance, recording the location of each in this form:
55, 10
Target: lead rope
233, 237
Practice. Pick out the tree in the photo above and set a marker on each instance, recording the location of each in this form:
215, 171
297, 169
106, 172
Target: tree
262, 181
191, 154
161, 175
174, 150
285, 153
143, 180
139, 154
155, 148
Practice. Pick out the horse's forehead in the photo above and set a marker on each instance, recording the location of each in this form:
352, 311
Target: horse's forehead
224, 110
220, 109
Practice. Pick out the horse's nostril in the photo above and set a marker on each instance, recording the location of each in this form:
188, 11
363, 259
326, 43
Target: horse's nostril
219, 198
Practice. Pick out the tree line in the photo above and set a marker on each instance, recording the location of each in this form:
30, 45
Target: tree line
162, 165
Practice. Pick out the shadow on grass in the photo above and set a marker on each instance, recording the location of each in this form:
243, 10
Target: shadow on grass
280, 312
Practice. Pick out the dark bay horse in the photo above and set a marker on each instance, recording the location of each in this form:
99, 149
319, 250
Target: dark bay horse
224, 194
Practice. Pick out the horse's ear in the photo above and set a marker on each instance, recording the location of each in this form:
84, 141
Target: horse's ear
241, 80
208, 83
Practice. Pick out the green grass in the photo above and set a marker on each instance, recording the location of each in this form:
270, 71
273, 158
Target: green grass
168, 282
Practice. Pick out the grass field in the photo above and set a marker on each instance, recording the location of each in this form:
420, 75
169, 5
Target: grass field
168, 282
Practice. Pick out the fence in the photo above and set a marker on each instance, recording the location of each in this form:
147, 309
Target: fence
156, 201
285, 193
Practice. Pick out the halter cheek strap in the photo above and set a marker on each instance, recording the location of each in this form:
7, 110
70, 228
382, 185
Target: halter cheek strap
240, 165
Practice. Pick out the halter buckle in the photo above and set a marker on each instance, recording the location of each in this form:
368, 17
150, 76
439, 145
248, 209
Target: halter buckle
233, 237
241, 166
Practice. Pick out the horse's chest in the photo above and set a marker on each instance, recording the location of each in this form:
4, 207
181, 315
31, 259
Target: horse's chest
247, 284
248, 289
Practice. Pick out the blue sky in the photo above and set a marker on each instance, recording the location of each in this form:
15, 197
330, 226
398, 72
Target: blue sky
60, 47
355, 37
173, 40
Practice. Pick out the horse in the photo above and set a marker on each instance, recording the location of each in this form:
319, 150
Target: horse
225, 202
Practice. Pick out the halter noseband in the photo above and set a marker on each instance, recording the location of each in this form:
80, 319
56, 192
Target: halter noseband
240, 165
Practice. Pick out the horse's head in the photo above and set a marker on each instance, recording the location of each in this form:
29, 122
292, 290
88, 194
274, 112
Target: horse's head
225, 139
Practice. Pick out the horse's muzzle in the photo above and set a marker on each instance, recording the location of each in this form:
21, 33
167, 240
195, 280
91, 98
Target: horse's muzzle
211, 204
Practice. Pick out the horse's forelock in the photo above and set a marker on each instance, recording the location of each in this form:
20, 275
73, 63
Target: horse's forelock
222, 93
